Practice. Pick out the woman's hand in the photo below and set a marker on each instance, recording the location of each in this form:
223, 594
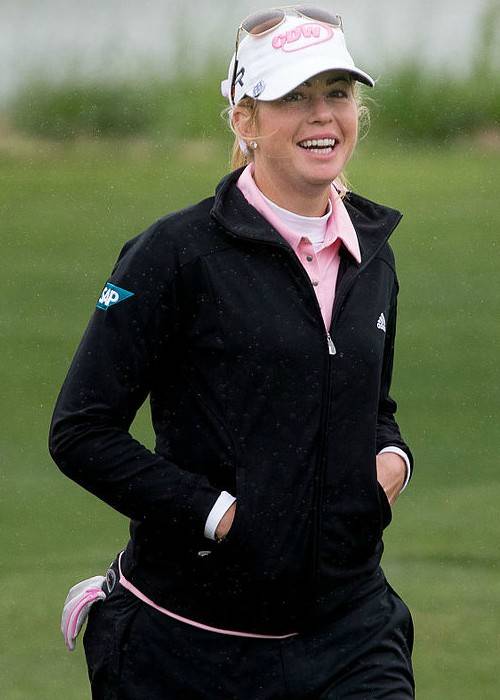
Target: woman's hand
391, 474
225, 522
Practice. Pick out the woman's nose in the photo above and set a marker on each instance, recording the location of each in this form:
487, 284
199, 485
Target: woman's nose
320, 109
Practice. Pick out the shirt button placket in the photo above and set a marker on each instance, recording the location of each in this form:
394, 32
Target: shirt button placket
308, 254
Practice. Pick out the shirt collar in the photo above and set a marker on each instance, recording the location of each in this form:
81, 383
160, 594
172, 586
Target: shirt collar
339, 226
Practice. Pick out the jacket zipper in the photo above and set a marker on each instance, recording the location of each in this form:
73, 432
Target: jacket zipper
321, 466
337, 306
319, 475
331, 347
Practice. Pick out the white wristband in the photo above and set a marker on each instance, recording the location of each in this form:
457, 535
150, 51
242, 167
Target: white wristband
401, 453
221, 505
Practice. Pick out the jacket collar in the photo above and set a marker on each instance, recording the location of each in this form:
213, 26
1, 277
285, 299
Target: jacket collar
373, 222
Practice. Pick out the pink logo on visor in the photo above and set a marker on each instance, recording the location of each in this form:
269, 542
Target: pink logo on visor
302, 37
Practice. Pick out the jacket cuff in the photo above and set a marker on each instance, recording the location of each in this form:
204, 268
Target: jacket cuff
401, 453
222, 504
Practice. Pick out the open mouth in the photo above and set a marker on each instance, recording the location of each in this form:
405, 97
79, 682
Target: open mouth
322, 146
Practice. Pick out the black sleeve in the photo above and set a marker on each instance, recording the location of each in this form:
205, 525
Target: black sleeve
388, 433
109, 378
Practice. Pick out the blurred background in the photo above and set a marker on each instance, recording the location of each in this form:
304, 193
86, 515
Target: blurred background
109, 118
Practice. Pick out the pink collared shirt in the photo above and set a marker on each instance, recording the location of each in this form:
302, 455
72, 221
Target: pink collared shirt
322, 265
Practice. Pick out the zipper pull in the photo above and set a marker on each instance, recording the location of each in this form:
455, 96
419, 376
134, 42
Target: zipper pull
331, 347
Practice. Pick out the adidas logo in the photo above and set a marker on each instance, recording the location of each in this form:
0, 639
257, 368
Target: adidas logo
381, 322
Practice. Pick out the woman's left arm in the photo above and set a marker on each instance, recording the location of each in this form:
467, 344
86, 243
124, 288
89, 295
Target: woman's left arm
391, 467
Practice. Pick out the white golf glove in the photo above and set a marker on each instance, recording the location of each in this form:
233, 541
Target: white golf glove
77, 606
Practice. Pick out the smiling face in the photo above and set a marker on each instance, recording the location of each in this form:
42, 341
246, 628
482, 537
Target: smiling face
304, 140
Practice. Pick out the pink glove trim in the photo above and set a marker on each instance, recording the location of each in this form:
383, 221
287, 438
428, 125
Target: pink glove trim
76, 608
91, 595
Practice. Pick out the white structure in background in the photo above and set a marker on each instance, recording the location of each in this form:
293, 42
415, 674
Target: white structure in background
55, 38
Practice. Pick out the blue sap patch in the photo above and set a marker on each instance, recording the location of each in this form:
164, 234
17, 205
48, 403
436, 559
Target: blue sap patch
112, 295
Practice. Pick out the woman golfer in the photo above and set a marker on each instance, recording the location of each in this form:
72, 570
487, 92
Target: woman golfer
261, 323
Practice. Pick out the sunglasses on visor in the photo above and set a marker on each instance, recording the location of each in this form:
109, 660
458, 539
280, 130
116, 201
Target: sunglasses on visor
260, 23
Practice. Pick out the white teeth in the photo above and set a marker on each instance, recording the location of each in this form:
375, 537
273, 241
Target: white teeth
318, 143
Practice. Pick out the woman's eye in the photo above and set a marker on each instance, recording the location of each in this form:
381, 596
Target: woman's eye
292, 97
295, 96
339, 93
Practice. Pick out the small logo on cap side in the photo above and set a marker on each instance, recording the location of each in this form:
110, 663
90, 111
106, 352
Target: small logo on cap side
259, 88
302, 37
239, 77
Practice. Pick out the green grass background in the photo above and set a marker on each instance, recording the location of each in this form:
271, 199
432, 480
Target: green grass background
65, 211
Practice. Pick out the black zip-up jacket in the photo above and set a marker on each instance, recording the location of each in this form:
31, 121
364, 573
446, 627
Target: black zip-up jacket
224, 331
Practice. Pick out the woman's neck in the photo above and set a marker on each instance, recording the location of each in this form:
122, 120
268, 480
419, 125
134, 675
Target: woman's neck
305, 201
292, 216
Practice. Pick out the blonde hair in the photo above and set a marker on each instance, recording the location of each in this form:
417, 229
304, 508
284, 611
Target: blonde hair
239, 158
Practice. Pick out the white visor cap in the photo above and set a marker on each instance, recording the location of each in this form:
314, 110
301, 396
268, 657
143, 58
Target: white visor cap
273, 64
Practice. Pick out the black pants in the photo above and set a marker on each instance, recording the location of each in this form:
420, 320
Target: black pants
136, 653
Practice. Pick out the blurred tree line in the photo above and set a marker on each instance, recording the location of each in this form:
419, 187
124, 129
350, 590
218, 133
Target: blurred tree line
409, 102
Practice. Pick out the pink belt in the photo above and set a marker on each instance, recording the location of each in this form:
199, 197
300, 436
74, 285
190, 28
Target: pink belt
135, 591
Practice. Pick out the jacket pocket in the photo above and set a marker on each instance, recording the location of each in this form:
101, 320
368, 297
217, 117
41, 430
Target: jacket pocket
200, 441
385, 506
108, 624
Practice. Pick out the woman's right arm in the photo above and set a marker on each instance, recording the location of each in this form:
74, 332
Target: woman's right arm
109, 378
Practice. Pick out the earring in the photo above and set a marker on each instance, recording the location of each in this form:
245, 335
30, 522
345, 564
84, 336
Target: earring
254, 145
